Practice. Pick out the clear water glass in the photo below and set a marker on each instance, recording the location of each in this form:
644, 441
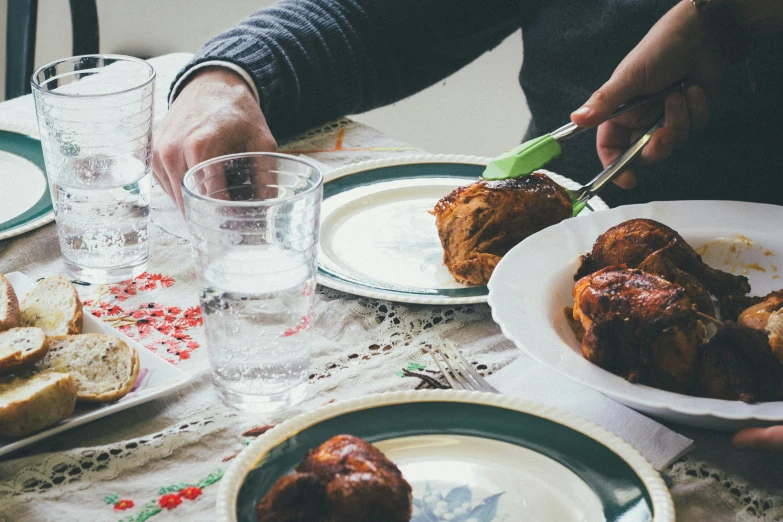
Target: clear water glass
254, 222
95, 117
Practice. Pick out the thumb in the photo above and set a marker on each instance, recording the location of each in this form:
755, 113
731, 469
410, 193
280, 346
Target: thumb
619, 89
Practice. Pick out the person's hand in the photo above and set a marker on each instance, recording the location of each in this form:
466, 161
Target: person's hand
678, 47
215, 114
767, 439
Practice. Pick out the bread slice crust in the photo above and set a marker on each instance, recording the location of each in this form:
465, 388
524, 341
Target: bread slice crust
10, 314
54, 306
33, 402
21, 348
105, 368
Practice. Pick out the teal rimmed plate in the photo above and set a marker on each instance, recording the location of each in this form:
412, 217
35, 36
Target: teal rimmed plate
468, 456
378, 239
24, 191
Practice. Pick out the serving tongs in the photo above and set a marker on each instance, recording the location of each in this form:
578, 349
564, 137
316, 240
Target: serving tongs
582, 196
534, 154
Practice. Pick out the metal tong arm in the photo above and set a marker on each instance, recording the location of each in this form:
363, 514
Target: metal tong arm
572, 129
610, 172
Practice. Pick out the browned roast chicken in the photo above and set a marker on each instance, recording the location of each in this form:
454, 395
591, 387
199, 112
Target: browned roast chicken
639, 326
658, 263
631, 242
479, 223
737, 364
343, 479
767, 317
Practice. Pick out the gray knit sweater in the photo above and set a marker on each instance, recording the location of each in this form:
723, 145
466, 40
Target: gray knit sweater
316, 60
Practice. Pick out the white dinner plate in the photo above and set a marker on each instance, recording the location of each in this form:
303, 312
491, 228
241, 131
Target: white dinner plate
742, 238
158, 378
467, 456
25, 203
378, 239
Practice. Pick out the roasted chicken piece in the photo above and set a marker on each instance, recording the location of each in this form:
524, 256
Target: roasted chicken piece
731, 306
479, 223
639, 326
660, 264
631, 242
345, 478
737, 364
767, 317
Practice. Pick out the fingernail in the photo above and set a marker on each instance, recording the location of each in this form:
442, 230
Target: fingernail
583, 111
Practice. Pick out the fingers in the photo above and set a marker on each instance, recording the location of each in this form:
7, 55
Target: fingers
765, 439
175, 165
615, 136
674, 132
159, 171
619, 89
698, 107
168, 163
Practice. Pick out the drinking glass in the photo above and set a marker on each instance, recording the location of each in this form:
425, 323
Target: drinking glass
95, 118
254, 222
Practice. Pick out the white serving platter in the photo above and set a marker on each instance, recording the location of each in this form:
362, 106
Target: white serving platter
158, 378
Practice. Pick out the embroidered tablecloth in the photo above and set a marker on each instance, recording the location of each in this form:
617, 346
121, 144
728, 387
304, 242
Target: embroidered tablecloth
162, 460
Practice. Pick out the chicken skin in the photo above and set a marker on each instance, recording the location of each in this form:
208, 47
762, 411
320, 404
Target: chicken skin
631, 242
479, 223
737, 364
767, 317
660, 264
639, 326
345, 478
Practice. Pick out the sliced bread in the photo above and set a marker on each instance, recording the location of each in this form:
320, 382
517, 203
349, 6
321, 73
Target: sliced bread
54, 306
34, 402
9, 306
21, 347
104, 367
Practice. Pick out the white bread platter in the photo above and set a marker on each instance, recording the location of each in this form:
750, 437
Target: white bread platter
157, 378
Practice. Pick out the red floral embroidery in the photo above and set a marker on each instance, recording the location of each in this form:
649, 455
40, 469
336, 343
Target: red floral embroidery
142, 283
169, 501
165, 328
191, 492
123, 504
303, 325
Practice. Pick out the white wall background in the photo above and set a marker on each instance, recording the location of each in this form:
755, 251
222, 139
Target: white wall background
479, 110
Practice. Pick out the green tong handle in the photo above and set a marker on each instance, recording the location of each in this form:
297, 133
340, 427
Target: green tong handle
532, 155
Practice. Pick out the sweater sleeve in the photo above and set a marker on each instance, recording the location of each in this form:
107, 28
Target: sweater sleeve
316, 60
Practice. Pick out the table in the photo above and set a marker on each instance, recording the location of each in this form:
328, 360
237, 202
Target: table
127, 466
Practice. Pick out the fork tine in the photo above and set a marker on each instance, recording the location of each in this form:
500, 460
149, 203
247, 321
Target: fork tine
482, 383
458, 375
442, 369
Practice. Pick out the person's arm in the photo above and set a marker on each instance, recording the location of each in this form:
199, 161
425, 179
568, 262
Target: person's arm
317, 60
313, 61
684, 44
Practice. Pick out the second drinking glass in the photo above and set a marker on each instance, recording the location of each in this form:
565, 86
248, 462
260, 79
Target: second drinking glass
254, 222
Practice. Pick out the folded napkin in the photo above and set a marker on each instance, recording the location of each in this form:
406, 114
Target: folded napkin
531, 380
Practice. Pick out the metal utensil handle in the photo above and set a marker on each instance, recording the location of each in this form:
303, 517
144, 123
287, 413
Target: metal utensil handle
572, 129
610, 172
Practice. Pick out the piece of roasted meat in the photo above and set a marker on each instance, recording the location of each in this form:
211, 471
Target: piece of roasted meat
631, 242
479, 223
345, 478
738, 364
767, 317
640, 327
660, 264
